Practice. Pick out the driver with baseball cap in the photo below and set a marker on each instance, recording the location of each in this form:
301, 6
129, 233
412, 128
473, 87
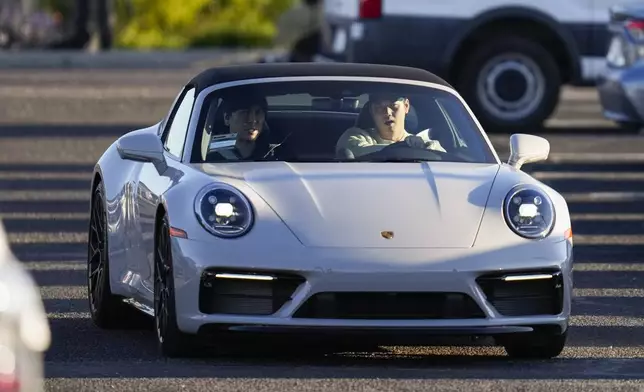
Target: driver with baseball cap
388, 113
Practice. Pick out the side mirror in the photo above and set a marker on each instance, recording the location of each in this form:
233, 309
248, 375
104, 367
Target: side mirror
527, 149
142, 146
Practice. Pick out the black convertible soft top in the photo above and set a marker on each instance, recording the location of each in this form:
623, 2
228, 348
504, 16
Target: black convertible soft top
232, 73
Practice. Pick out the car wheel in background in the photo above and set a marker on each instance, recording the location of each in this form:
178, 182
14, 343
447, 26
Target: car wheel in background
511, 83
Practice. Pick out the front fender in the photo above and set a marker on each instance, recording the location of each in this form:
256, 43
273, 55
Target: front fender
494, 230
179, 204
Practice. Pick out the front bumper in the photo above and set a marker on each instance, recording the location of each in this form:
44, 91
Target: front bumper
621, 94
411, 292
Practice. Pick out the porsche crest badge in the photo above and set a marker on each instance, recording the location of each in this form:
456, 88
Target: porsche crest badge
387, 234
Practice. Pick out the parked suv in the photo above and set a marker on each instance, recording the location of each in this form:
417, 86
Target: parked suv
508, 59
621, 85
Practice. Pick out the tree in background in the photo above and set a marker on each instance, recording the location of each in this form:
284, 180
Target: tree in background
170, 24
154, 24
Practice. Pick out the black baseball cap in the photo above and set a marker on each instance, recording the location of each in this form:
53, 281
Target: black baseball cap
239, 101
392, 97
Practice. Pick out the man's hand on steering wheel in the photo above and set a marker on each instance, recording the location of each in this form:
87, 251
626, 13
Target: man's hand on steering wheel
415, 141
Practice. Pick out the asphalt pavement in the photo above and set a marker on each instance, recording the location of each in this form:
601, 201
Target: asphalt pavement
54, 124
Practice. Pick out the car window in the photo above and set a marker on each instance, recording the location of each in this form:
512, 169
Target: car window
310, 102
330, 121
178, 125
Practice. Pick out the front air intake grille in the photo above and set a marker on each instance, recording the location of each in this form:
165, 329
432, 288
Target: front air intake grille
382, 306
524, 294
243, 293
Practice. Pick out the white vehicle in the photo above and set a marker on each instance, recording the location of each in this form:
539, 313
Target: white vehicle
508, 58
306, 235
24, 329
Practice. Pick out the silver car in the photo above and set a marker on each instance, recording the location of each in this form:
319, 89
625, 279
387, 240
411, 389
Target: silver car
24, 330
621, 85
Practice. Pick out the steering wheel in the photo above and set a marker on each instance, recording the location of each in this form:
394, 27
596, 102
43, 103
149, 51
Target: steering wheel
401, 150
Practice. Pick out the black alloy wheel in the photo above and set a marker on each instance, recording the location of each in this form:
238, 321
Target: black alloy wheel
172, 342
97, 255
107, 310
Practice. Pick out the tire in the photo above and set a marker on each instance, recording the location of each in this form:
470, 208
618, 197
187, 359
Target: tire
171, 341
108, 311
527, 58
540, 345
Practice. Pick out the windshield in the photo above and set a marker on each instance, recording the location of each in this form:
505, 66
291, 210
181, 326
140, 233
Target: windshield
331, 121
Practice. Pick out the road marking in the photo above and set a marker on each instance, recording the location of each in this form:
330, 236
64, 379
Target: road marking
47, 238
603, 176
602, 196
622, 239
621, 293
89, 92
68, 315
44, 195
606, 321
43, 216
35, 175
608, 217
623, 267
595, 157
62, 293
581, 124
80, 265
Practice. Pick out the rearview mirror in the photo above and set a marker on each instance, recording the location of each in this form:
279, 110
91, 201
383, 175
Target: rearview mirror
527, 149
142, 146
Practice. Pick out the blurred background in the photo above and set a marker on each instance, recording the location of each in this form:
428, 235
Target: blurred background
141, 24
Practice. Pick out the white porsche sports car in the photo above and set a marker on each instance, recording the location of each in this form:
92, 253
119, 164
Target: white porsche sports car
346, 200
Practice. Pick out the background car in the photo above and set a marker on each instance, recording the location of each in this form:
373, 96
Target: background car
508, 59
24, 328
23, 26
397, 243
621, 86
298, 33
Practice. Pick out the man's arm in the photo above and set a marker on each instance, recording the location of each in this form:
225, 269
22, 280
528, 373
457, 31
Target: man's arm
429, 143
358, 142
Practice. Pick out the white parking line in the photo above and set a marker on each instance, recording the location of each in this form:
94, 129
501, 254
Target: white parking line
68, 315
35, 175
622, 239
595, 157
621, 293
44, 195
603, 196
603, 176
43, 215
621, 267
47, 238
608, 217
80, 265
63, 293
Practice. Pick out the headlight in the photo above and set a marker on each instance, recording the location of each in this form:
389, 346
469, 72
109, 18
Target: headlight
529, 212
224, 211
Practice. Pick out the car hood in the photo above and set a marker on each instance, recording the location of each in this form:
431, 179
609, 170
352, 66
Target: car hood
418, 205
